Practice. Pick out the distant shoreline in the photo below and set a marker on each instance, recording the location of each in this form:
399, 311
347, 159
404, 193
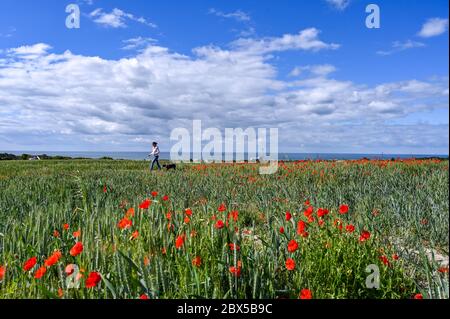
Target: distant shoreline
140, 156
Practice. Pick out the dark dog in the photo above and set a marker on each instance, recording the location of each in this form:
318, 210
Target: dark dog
170, 166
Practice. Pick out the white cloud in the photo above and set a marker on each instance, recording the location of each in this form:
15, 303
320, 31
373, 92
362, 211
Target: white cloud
398, 46
317, 70
305, 40
322, 70
117, 18
237, 15
137, 43
339, 4
433, 27
296, 71
73, 101
250, 31
30, 51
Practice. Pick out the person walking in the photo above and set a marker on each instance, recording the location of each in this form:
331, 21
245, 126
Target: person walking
155, 153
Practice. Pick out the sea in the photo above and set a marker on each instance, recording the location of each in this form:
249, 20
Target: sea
139, 156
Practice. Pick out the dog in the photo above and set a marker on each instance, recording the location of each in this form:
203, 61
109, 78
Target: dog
170, 166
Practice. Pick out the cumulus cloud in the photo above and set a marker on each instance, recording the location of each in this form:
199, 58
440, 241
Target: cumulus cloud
36, 49
433, 27
30, 51
117, 18
73, 101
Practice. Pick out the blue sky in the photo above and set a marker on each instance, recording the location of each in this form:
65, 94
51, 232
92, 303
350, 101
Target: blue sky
137, 69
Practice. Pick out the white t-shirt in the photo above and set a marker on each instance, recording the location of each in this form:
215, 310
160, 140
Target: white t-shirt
155, 151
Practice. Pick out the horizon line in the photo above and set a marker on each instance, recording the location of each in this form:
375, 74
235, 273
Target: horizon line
281, 152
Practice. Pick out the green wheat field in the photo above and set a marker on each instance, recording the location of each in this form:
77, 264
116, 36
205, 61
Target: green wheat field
112, 229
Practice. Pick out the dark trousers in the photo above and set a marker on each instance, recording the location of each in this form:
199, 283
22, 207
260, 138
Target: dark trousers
155, 160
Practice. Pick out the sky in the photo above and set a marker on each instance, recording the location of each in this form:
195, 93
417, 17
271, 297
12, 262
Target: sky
135, 70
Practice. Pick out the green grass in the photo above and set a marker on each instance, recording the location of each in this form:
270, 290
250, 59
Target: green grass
404, 205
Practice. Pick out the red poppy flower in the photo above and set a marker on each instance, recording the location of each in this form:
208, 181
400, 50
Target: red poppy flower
188, 211
236, 270
40, 272
77, 233
130, 213
180, 241
56, 233
350, 228
307, 202
187, 220
169, 215
2, 272
60, 293
143, 297
308, 212
395, 257
93, 279
197, 261
343, 209
301, 227
365, 235
322, 212
154, 194
384, 260
234, 247
305, 294
292, 246
418, 296
29, 264
69, 269
219, 224
105, 189
135, 235
321, 222
125, 223
222, 208
76, 249
281, 230
53, 259
290, 264
288, 216
145, 204
66, 226
233, 214
443, 269
165, 198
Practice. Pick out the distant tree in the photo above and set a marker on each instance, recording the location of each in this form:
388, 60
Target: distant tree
7, 157
25, 157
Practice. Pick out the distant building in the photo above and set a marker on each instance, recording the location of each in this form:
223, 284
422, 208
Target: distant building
34, 158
